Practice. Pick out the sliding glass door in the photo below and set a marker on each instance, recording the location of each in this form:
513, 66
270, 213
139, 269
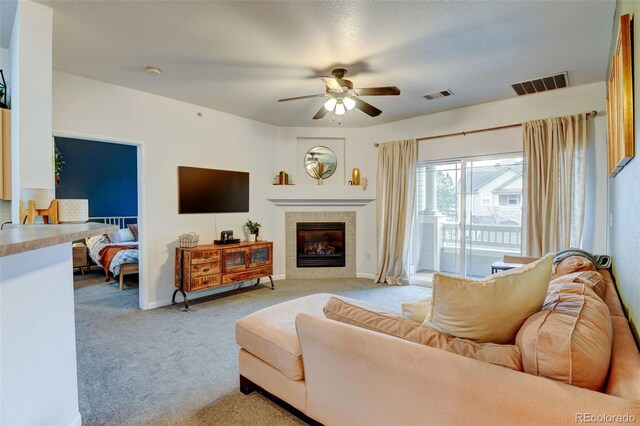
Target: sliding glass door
468, 215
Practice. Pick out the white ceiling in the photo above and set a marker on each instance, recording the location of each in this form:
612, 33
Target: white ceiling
241, 56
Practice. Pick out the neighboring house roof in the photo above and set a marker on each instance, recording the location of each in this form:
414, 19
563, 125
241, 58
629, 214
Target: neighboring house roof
501, 187
483, 175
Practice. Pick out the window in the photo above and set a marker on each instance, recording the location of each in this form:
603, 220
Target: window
468, 215
509, 199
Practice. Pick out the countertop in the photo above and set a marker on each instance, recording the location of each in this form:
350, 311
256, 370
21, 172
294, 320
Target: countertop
16, 239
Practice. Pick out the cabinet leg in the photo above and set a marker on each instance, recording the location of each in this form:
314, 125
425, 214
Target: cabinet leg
184, 295
257, 282
272, 286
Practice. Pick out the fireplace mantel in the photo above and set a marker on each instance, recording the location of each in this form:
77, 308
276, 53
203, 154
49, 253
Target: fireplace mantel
319, 195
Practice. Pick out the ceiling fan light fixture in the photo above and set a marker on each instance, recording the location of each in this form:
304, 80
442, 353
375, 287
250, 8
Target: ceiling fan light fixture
340, 109
348, 103
330, 104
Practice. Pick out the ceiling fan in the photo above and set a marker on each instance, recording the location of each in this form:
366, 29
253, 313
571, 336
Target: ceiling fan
343, 97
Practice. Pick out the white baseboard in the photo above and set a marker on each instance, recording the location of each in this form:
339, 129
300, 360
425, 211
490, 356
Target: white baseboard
77, 420
363, 275
279, 277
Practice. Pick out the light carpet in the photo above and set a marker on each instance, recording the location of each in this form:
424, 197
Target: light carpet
165, 366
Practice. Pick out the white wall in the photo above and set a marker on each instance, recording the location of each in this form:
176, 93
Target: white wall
31, 64
173, 135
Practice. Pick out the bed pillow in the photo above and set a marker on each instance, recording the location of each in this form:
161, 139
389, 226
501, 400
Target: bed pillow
134, 231
418, 310
491, 309
376, 319
121, 236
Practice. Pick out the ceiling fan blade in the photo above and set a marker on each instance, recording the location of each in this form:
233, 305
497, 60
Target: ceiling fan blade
378, 91
302, 97
332, 83
321, 113
366, 108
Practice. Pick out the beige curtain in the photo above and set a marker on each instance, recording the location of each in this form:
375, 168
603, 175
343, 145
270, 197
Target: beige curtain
395, 196
555, 163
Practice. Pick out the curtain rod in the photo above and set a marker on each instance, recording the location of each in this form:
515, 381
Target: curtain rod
488, 129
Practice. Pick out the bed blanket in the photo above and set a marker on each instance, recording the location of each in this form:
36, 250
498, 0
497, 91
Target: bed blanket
107, 254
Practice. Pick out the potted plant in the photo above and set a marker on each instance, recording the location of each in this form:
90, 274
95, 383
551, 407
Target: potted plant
58, 163
254, 229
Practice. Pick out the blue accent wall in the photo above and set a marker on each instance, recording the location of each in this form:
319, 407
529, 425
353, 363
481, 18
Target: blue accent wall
104, 173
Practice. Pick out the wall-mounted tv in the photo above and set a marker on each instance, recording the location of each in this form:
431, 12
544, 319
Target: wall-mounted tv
212, 191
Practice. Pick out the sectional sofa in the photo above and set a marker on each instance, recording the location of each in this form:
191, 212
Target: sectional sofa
338, 373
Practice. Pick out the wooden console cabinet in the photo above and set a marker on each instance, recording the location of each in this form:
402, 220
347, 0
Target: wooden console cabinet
210, 266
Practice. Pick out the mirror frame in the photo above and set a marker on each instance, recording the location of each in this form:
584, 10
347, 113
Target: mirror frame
325, 175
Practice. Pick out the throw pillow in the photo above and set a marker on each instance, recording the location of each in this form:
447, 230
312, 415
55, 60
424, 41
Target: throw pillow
134, 231
491, 309
591, 279
570, 339
573, 264
418, 310
362, 315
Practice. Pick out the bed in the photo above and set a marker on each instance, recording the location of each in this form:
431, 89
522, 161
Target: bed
120, 257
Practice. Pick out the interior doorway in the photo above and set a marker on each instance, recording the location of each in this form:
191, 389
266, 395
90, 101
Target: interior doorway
107, 173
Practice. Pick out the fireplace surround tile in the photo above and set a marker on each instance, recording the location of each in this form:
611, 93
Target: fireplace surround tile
349, 219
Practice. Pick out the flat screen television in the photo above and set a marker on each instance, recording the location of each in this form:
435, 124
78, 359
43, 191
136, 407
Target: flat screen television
212, 191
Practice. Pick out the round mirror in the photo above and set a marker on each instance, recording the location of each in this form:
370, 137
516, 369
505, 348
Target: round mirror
320, 162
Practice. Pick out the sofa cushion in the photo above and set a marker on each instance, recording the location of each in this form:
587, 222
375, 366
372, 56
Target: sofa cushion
270, 333
570, 339
374, 318
611, 297
591, 279
572, 264
418, 310
491, 309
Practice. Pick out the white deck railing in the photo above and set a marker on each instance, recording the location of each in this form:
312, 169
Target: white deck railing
120, 221
508, 237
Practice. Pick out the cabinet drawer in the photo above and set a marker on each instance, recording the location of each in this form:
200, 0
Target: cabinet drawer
205, 256
245, 276
200, 269
203, 282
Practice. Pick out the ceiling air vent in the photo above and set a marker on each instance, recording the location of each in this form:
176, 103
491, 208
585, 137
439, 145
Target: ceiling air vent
440, 94
542, 84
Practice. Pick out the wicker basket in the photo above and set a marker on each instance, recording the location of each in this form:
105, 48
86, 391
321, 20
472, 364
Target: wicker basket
189, 240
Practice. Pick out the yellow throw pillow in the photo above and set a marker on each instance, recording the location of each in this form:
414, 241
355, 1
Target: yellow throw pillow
491, 309
417, 311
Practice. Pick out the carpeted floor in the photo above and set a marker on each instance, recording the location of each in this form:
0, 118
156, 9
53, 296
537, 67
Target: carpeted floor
165, 366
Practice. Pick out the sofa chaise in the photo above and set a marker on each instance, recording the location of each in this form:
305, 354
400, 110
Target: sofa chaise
339, 374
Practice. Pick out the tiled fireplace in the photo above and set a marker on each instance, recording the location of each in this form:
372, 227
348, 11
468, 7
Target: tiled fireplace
320, 244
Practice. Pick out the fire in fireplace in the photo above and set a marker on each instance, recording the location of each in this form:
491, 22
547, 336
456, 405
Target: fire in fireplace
320, 244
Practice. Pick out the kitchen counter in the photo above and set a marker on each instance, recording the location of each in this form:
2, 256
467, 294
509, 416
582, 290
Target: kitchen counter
39, 380
16, 239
